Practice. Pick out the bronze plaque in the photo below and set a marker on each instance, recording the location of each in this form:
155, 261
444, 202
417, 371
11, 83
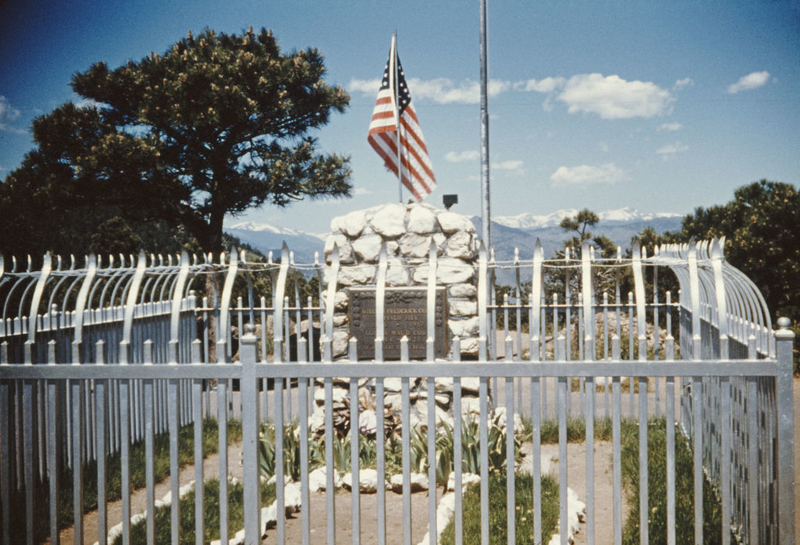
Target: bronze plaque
405, 313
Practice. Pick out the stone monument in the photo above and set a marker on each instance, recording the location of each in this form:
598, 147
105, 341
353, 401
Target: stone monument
407, 231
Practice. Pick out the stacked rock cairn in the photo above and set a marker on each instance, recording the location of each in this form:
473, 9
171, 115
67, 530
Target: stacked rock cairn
407, 231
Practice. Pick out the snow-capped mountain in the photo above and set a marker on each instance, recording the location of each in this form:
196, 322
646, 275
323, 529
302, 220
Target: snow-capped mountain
529, 221
267, 228
268, 238
508, 232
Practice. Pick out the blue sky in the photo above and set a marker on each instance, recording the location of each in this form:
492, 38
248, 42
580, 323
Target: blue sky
659, 106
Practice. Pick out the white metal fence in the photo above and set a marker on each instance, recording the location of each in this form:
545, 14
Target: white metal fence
128, 357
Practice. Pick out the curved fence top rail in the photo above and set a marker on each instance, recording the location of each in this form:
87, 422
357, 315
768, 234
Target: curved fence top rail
711, 290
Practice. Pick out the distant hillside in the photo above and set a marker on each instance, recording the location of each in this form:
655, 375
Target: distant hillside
521, 231
508, 232
267, 238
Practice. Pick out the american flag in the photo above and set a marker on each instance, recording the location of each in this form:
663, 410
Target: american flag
416, 171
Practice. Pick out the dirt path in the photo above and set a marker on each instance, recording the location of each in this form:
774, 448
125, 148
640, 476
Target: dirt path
576, 469
139, 498
369, 519
577, 481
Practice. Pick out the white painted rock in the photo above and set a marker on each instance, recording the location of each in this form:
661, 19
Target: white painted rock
466, 479
462, 245
463, 290
316, 421
345, 248
368, 247
391, 384
340, 300
443, 385
368, 481
444, 513
356, 275
419, 482
269, 515
367, 423
470, 385
441, 416
317, 480
396, 272
464, 328
449, 270
389, 220
451, 222
414, 245
340, 344
470, 346
286, 479
421, 219
500, 414
470, 406
351, 224
292, 498
461, 309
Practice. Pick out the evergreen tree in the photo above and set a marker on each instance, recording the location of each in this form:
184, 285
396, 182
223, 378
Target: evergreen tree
216, 125
762, 230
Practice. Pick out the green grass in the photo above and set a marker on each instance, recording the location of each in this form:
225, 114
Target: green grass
576, 430
113, 478
163, 520
657, 489
523, 487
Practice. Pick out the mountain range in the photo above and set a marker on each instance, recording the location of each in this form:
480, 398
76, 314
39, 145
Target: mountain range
508, 232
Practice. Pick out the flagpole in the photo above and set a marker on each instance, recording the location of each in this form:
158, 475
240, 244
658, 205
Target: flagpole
486, 214
396, 93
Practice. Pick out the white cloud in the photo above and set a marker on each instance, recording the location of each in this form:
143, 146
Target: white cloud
461, 156
361, 191
546, 85
84, 103
507, 165
685, 82
445, 91
612, 97
754, 80
674, 126
585, 175
602, 146
366, 86
8, 114
672, 149
438, 90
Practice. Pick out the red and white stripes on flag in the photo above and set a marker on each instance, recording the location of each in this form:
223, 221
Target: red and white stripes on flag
393, 104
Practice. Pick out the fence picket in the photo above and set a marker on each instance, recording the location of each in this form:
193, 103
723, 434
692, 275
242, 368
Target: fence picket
735, 410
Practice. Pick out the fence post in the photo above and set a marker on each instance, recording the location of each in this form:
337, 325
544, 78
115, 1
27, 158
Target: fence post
784, 338
250, 476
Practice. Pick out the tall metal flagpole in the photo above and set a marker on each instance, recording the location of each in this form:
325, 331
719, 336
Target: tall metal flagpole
486, 213
394, 73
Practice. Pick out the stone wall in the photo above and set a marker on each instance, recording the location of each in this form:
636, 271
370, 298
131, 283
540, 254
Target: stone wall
408, 231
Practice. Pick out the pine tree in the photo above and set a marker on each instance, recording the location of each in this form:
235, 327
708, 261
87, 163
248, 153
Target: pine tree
216, 125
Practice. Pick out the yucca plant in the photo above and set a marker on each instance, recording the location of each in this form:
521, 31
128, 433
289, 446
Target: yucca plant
291, 452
